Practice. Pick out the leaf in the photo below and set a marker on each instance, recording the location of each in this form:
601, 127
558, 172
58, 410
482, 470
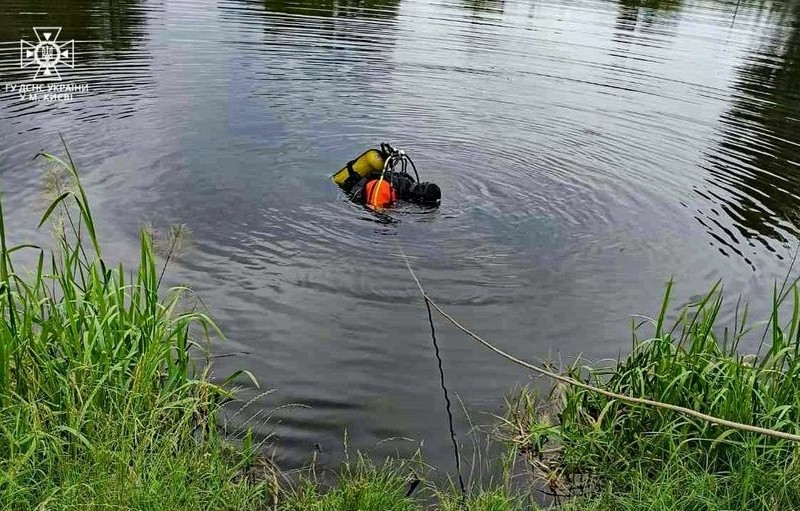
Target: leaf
53, 206
77, 435
238, 373
20, 247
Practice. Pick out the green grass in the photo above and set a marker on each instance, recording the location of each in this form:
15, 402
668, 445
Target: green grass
100, 403
360, 486
492, 499
618, 456
679, 487
392, 486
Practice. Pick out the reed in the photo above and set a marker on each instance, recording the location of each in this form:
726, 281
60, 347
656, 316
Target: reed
100, 401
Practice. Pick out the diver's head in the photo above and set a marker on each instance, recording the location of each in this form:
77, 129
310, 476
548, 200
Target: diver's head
427, 194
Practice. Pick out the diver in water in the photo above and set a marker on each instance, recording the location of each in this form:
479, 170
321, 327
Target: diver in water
379, 178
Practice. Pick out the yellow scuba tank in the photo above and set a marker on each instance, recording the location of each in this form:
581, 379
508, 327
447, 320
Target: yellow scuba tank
369, 163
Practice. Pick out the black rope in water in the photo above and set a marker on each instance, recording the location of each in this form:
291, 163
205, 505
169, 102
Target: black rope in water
448, 407
446, 399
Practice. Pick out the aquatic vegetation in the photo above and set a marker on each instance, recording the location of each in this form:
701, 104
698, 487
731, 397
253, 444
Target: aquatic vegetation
100, 401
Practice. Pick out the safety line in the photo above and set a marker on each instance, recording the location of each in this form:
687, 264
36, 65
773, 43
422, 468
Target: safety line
448, 406
570, 381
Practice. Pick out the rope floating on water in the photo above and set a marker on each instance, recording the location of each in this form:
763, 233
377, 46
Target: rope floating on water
570, 381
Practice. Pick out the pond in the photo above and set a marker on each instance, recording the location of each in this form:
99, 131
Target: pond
587, 151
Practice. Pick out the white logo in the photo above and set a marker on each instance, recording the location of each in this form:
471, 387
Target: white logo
46, 53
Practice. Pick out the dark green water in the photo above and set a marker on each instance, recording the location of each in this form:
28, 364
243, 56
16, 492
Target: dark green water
588, 150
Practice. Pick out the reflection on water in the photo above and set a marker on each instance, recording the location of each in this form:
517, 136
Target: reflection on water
587, 150
107, 29
375, 9
644, 14
755, 170
111, 59
651, 7
104, 24
485, 6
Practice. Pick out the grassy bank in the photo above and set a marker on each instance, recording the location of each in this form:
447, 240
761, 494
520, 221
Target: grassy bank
100, 403
102, 407
599, 453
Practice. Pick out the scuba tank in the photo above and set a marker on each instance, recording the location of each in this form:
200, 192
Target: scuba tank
370, 163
